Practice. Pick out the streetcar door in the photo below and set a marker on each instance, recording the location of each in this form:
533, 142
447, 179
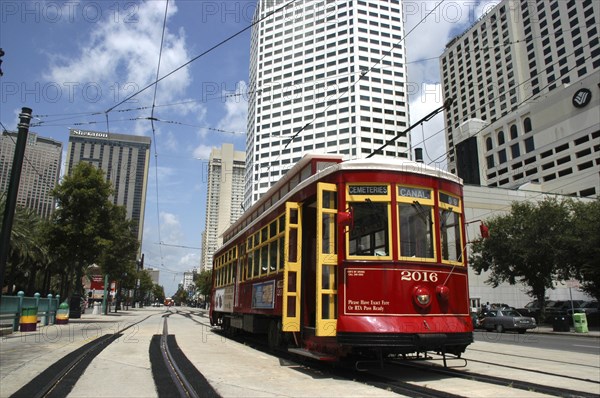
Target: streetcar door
292, 268
327, 260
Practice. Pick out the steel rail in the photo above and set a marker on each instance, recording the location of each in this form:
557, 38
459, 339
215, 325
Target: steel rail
183, 386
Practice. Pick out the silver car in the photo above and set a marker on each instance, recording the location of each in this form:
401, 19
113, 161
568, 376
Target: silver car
501, 320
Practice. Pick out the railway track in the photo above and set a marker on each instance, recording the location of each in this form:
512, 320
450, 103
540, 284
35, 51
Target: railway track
394, 376
172, 371
176, 375
503, 381
58, 379
183, 375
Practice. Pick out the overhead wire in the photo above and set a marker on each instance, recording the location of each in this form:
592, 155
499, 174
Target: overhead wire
154, 131
533, 95
249, 92
488, 48
533, 197
39, 173
349, 89
202, 54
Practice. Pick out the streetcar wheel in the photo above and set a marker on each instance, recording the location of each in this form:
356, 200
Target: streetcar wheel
499, 328
274, 335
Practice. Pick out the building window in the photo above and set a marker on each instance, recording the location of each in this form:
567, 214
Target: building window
502, 156
529, 145
488, 143
513, 132
501, 138
527, 125
515, 151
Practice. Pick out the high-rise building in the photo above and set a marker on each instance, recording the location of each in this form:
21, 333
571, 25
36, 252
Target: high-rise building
125, 160
39, 174
501, 69
154, 274
224, 197
189, 281
325, 77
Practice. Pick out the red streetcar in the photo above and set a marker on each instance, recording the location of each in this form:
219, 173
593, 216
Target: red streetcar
349, 257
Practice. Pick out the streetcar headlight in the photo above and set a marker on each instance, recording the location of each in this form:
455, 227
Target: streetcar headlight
422, 296
443, 292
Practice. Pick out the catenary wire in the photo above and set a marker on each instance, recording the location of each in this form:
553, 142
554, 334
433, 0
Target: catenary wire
154, 130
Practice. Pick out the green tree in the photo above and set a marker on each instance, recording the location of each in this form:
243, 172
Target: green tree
146, 285
28, 254
158, 292
585, 231
78, 225
119, 247
180, 296
204, 283
529, 246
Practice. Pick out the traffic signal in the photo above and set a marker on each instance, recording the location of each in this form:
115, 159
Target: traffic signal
1, 55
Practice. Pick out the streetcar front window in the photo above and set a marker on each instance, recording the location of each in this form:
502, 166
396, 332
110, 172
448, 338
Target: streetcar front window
369, 236
416, 232
450, 235
450, 228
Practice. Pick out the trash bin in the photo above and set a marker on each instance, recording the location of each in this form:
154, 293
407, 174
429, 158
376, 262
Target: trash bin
62, 314
75, 306
561, 324
28, 320
580, 321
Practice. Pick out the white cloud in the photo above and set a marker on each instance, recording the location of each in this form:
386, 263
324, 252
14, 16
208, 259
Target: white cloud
202, 152
236, 106
430, 136
121, 58
425, 43
168, 253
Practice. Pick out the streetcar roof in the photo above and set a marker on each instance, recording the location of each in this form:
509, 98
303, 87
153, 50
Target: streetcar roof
333, 163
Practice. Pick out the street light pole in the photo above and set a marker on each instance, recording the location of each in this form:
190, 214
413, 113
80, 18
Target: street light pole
13, 190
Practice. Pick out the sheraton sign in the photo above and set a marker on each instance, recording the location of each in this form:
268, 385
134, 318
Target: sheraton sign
95, 134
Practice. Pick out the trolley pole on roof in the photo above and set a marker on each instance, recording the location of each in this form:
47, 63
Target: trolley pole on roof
13, 190
447, 104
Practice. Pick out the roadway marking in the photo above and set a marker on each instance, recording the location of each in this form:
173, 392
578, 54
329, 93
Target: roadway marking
586, 346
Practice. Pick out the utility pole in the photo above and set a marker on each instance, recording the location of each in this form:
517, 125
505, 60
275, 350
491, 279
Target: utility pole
13, 190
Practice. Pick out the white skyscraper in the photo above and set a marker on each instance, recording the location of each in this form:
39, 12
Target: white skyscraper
325, 77
224, 195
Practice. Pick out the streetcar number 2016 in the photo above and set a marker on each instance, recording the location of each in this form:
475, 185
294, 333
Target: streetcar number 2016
419, 276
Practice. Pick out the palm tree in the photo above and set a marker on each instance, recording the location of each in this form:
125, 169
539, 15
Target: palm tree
26, 254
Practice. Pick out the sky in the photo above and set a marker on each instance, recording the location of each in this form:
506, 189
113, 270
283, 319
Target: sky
92, 65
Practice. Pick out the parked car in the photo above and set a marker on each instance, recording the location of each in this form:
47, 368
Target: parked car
501, 320
501, 306
586, 307
561, 307
533, 309
593, 319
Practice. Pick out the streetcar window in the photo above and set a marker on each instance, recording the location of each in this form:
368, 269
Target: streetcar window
273, 256
264, 255
256, 261
416, 231
450, 235
249, 264
370, 236
329, 308
281, 253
